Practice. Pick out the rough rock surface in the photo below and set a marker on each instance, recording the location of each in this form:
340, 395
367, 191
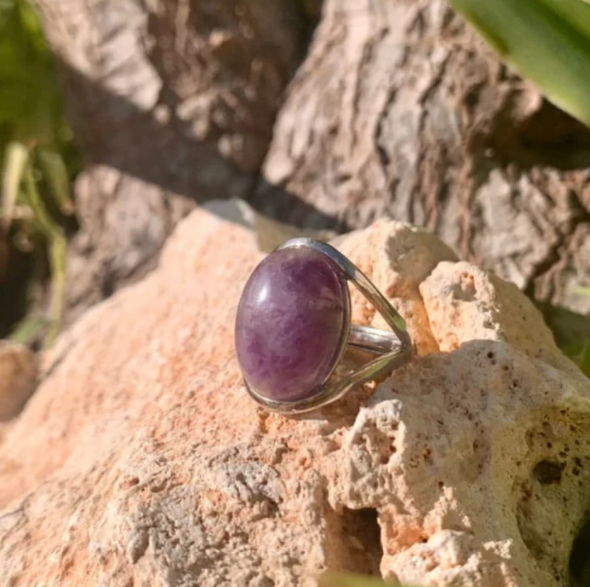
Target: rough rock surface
142, 461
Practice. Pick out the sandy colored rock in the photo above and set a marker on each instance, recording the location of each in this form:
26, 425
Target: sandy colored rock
397, 258
141, 460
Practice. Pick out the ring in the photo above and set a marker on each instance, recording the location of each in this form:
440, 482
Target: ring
293, 325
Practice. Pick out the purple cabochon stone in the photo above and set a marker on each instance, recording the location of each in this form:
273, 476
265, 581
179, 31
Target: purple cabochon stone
291, 323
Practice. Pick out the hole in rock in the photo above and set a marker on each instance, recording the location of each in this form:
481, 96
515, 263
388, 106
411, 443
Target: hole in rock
548, 472
354, 542
580, 558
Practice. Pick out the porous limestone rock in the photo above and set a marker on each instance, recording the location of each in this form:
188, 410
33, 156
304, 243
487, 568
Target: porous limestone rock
142, 461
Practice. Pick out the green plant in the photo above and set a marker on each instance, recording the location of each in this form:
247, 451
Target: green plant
36, 151
547, 41
352, 580
581, 356
580, 353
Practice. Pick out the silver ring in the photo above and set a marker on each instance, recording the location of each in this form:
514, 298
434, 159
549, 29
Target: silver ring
275, 306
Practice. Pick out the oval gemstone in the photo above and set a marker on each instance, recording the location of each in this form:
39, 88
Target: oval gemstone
291, 323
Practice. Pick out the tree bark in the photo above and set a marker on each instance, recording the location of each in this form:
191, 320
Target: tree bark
401, 110
172, 103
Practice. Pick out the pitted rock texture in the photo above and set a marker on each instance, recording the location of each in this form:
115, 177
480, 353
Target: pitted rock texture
141, 460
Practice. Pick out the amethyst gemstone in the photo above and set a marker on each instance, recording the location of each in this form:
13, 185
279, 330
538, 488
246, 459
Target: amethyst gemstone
291, 322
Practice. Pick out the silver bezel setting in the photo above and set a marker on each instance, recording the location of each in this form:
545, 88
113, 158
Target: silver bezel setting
394, 348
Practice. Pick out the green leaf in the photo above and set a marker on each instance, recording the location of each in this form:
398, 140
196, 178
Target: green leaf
46, 224
583, 359
54, 169
580, 355
38, 157
29, 329
29, 92
331, 579
58, 262
57, 252
547, 41
15, 162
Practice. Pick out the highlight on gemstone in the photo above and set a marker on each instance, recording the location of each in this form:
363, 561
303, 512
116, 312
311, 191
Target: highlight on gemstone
291, 324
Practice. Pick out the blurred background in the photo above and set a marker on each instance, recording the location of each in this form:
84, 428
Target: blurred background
118, 117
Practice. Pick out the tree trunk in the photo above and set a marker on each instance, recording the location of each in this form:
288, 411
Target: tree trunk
173, 103
401, 110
